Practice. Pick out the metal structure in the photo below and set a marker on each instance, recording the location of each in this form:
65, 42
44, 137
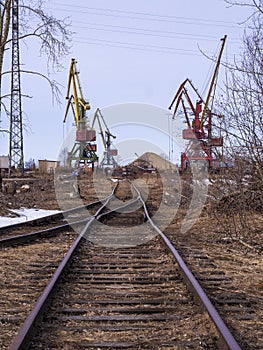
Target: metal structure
16, 152
109, 152
84, 149
199, 123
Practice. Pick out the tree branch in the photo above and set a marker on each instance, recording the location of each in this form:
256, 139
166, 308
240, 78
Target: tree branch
54, 85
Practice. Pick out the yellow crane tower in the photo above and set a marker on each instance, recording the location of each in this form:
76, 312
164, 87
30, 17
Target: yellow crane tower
84, 149
109, 152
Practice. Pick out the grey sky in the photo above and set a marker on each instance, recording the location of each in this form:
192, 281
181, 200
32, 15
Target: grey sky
127, 51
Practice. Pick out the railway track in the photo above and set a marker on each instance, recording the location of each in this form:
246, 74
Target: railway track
48, 226
24, 271
27, 261
236, 307
122, 287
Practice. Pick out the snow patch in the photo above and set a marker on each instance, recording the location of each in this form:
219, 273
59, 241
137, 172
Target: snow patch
25, 214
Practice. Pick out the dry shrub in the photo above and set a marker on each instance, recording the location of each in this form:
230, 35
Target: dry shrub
237, 203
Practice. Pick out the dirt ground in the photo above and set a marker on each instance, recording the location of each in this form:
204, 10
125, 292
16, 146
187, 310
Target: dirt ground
44, 192
29, 192
240, 259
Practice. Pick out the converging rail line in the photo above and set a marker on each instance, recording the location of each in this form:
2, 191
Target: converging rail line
28, 262
53, 224
122, 284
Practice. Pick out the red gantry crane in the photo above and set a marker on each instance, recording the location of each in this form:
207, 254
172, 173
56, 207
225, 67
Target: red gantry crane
84, 149
199, 122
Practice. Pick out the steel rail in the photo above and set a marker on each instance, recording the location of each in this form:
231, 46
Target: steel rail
56, 216
20, 341
50, 232
31, 222
227, 341
108, 213
47, 233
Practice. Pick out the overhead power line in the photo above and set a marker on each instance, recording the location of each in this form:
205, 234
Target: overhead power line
158, 18
137, 31
129, 46
147, 30
135, 46
155, 16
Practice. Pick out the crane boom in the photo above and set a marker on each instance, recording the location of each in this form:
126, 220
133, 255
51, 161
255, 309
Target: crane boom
213, 80
100, 119
76, 100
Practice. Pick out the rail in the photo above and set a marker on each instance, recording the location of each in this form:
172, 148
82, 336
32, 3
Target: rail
26, 330
48, 232
50, 217
227, 340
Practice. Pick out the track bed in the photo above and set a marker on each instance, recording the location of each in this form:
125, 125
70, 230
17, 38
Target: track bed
124, 298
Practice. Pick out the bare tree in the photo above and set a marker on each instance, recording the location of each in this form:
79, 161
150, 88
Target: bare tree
255, 6
243, 100
52, 34
240, 194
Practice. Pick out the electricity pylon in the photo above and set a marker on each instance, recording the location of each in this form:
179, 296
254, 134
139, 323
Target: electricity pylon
16, 152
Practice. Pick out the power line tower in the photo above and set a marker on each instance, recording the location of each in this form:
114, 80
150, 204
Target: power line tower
16, 152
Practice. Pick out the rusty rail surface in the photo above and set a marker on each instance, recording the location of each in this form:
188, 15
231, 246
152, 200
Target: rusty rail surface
51, 217
227, 340
25, 332
48, 232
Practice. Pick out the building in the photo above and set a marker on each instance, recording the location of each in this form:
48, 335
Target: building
4, 164
47, 166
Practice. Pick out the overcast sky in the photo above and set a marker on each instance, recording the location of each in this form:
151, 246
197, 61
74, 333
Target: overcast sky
127, 51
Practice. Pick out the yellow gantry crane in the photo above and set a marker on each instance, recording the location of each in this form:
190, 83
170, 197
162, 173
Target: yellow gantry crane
84, 149
109, 152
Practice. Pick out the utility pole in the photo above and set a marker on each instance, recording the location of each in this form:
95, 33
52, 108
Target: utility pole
16, 152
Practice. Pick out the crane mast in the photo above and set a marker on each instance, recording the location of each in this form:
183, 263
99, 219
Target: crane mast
109, 152
84, 149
